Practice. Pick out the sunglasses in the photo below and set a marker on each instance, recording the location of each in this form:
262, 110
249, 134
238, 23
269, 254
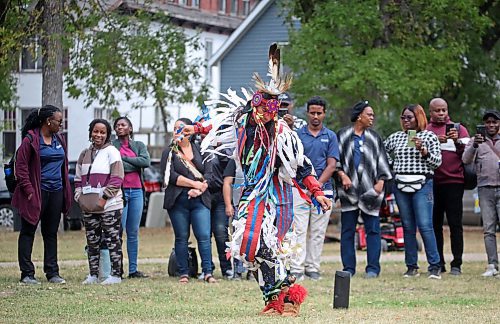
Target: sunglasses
406, 118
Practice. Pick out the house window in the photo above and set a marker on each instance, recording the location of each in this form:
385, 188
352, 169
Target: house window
9, 133
103, 113
10, 128
222, 6
284, 47
246, 7
31, 57
64, 127
182, 2
234, 7
195, 3
208, 55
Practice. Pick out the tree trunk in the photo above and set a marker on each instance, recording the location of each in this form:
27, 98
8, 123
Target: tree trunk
164, 119
52, 72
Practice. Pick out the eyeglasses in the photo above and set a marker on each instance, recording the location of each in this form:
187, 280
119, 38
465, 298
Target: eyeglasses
406, 118
60, 121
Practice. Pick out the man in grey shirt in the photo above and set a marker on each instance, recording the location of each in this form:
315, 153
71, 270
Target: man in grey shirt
484, 151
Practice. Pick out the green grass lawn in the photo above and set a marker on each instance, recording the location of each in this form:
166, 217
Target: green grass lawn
388, 299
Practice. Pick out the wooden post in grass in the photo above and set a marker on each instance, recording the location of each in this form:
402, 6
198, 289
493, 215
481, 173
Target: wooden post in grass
341, 289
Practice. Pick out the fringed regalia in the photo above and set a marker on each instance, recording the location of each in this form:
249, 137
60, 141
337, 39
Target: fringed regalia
271, 158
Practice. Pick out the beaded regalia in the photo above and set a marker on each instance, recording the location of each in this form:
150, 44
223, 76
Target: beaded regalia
271, 158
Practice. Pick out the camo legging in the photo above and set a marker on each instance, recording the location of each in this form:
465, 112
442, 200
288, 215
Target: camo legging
107, 223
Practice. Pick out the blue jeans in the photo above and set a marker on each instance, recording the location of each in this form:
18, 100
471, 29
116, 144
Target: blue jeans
347, 249
415, 210
219, 224
193, 212
131, 219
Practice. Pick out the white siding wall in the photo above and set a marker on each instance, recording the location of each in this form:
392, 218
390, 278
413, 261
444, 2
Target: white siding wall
30, 96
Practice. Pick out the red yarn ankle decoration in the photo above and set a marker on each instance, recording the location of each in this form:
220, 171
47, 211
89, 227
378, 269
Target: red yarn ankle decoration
277, 304
297, 294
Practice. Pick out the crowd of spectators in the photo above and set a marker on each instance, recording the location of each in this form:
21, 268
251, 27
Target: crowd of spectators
422, 164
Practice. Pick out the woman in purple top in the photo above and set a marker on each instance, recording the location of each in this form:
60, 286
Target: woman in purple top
43, 191
135, 158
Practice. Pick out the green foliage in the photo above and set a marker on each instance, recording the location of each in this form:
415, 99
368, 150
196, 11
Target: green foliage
388, 299
12, 38
125, 56
391, 53
115, 55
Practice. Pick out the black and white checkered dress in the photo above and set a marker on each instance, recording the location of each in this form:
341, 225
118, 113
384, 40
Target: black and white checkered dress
408, 160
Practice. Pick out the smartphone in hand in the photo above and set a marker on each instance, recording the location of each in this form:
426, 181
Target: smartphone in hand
481, 129
282, 112
411, 134
449, 127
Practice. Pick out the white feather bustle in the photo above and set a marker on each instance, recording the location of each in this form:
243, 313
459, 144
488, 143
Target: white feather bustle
225, 117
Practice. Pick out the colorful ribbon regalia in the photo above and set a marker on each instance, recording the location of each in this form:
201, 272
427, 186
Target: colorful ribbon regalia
271, 157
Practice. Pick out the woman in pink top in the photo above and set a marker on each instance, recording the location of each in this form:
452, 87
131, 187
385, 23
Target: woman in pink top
135, 158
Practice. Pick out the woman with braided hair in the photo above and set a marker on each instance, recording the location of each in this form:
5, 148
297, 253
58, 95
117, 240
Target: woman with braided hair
43, 191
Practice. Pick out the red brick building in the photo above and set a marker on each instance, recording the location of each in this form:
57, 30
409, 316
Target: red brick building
239, 8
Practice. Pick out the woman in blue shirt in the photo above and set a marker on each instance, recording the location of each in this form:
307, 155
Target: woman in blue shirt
43, 191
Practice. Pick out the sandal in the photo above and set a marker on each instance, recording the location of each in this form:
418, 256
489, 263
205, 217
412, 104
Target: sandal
210, 279
184, 279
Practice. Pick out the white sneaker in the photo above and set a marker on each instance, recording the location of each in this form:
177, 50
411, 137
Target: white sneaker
111, 280
90, 280
491, 271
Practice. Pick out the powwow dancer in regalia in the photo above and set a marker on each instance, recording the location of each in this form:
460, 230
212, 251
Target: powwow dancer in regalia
272, 160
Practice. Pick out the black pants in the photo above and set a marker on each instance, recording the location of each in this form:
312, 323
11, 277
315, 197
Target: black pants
50, 216
219, 225
448, 199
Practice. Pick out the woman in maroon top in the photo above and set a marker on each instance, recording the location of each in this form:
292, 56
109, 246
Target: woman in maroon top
43, 191
135, 158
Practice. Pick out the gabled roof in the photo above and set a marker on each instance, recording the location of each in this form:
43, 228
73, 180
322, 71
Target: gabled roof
242, 29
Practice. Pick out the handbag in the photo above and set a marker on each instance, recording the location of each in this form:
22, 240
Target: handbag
410, 183
173, 270
470, 176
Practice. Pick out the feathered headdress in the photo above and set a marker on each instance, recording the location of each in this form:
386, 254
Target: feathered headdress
278, 84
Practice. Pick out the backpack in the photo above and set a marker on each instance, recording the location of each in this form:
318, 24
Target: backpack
9, 170
192, 263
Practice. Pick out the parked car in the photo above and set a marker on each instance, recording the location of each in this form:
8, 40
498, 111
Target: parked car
152, 183
74, 220
8, 213
470, 216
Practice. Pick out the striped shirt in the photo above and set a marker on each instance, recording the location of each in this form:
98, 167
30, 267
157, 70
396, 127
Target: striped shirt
101, 170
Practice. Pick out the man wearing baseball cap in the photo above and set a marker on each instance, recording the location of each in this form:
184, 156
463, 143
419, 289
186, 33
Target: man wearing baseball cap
286, 110
484, 151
